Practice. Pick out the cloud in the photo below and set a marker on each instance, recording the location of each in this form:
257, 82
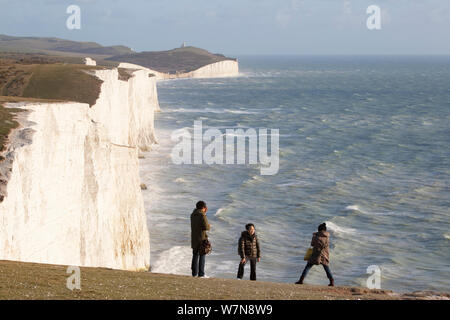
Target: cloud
283, 18
347, 7
440, 15
211, 14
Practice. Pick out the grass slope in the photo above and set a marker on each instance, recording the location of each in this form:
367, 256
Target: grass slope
37, 76
42, 45
63, 82
20, 280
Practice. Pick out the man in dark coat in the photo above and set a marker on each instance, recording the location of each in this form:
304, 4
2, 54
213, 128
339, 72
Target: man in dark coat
199, 226
248, 250
320, 255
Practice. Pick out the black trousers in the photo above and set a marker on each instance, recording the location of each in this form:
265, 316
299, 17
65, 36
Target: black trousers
198, 264
240, 273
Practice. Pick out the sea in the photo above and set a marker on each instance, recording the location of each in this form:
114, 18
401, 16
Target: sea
364, 145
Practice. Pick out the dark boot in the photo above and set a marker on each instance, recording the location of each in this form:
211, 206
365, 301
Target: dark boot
301, 280
331, 283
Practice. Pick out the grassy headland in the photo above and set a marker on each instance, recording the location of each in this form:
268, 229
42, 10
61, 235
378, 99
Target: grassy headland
179, 60
56, 46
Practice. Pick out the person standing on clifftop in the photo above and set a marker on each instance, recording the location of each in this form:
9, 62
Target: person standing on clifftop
199, 226
248, 249
320, 254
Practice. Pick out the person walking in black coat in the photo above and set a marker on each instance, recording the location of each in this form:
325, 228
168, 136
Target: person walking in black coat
249, 251
199, 226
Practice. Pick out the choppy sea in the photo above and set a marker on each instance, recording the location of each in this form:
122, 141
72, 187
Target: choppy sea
364, 146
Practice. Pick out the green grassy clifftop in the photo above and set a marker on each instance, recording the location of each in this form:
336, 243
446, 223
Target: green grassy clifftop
179, 60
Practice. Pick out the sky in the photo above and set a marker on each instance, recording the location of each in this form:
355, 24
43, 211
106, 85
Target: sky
240, 27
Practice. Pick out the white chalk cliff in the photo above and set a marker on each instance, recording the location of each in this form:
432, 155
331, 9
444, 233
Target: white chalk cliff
73, 193
90, 62
225, 68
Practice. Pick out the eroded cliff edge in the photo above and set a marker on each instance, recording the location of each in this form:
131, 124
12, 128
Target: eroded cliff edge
73, 195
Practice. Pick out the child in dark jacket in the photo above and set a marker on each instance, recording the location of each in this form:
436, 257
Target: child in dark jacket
248, 250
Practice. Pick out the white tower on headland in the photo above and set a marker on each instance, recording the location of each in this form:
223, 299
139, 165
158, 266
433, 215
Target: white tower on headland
183, 45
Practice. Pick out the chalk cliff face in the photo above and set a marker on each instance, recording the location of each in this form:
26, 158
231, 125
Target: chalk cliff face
73, 195
89, 62
225, 68
71, 178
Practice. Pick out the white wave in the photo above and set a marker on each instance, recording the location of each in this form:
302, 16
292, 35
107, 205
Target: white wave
387, 213
219, 211
226, 266
245, 134
255, 179
288, 184
209, 110
176, 260
447, 236
338, 229
180, 180
255, 74
353, 208
240, 111
194, 110
156, 218
392, 271
294, 184
184, 133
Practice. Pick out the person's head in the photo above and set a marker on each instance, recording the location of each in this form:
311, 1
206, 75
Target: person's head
322, 227
250, 227
201, 205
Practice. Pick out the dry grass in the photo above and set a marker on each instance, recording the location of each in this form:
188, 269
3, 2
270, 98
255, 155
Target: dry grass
38, 76
19, 280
